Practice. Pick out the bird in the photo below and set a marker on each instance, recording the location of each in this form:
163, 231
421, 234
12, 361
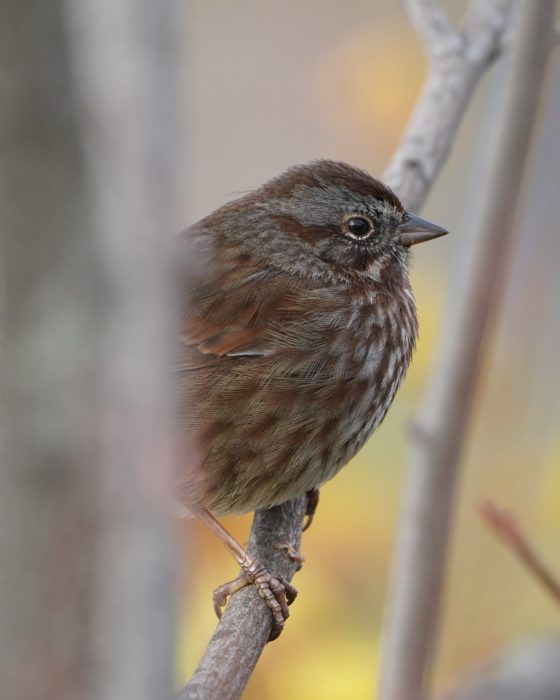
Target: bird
298, 325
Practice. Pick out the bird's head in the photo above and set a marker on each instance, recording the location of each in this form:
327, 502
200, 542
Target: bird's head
343, 215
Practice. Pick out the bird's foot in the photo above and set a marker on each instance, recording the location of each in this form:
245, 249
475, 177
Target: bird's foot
277, 593
222, 593
312, 503
292, 553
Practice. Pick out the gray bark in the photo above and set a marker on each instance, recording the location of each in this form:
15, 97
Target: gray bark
237, 643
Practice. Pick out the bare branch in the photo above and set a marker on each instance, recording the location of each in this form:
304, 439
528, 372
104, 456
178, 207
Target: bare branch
433, 27
483, 29
457, 65
239, 639
442, 425
507, 528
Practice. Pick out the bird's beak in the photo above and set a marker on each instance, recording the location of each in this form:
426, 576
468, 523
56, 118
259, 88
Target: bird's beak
417, 230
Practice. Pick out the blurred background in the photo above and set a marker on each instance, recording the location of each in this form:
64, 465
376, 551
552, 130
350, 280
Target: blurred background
269, 85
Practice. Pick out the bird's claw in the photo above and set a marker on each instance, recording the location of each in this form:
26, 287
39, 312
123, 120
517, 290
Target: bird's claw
312, 503
294, 555
277, 593
223, 592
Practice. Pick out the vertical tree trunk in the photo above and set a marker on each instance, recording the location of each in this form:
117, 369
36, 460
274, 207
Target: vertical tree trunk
86, 543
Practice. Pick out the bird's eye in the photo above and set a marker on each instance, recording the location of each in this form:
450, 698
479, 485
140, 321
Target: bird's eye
358, 227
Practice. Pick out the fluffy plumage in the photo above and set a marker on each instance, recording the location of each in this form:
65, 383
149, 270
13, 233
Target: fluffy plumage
297, 335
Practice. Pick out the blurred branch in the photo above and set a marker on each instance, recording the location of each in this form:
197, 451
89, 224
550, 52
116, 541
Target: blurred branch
457, 61
48, 345
432, 26
528, 670
457, 64
509, 531
86, 541
441, 427
122, 53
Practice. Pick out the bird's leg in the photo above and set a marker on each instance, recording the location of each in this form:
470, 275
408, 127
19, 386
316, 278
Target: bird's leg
276, 592
312, 503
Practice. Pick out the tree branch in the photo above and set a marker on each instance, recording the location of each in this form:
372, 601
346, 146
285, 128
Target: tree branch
442, 424
483, 24
456, 66
433, 27
457, 62
239, 639
508, 530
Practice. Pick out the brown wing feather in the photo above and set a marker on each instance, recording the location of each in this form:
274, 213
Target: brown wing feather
240, 310
235, 317
259, 350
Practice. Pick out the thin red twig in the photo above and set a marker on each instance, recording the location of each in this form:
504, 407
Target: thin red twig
507, 528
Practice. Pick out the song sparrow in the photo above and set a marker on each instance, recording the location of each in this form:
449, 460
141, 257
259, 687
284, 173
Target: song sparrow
300, 328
